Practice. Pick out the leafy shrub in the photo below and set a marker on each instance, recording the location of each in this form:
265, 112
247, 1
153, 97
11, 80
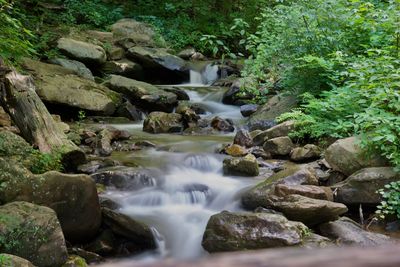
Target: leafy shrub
391, 201
43, 162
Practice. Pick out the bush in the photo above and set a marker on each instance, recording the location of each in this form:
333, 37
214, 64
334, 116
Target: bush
391, 201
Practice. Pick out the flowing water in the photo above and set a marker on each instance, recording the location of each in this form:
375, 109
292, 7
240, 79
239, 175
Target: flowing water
188, 184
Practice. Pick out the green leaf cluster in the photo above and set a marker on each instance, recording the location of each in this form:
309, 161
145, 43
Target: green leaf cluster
390, 204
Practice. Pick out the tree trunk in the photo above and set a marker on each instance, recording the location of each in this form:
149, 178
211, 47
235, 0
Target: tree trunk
19, 99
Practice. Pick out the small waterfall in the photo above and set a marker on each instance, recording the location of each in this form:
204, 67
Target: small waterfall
206, 76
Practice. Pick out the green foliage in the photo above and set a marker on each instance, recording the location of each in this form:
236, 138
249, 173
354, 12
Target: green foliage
5, 260
390, 204
14, 42
43, 162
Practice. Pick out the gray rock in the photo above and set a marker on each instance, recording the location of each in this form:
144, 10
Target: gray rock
347, 157
129, 33
129, 111
306, 153
82, 51
347, 232
248, 110
123, 67
362, 186
78, 67
32, 232
279, 130
275, 106
246, 166
160, 122
228, 231
243, 138
223, 125
280, 146
311, 191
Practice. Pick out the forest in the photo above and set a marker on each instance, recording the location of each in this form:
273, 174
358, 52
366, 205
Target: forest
164, 129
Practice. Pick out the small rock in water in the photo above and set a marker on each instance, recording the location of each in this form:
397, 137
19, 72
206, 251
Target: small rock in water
246, 166
259, 152
235, 151
247, 110
160, 122
243, 138
223, 125
129, 111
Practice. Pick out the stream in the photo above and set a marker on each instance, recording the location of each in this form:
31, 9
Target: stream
188, 184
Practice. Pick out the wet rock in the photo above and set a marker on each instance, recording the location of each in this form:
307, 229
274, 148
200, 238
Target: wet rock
82, 51
14, 261
235, 151
66, 194
75, 261
243, 138
228, 231
127, 227
311, 191
309, 211
313, 241
235, 96
123, 67
261, 125
362, 186
160, 122
347, 232
90, 257
129, 33
61, 87
347, 157
275, 106
145, 143
104, 244
115, 53
102, 143
124, 178
106, 202
143, 94
306, 153
246, 166
223, 125
158, 60
94, 165
280, 146
249, 109
129, 111
33, 233
79, 68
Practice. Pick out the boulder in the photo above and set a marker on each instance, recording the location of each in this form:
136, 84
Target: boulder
129, 33
59, 86
223, 125
279, 130
125, 226
347, 157
68, 195
33, 233
85, 52
235, 96
77, 67
306, 153
280, 146
115, 53
309, 211
248, 110
292, 174
246, 166
187, 53
236, 151
229, 231
143, 94
160, 122
311, 191
14, 261
129, 111
243, 138
123, 67
362, 186
180, 93
5, 120
275, 106
169, 68
124, 178
347, 232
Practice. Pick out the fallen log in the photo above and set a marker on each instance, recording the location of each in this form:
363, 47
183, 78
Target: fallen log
19, 99
387, 256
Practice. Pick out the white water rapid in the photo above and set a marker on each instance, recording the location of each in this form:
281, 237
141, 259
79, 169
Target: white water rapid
189, 185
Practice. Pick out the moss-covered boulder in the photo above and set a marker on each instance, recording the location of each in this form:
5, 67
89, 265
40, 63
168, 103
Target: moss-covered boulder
14, 261
33, 233
143, 94
75, 261
229, 231
280, 146
347, 156
307, 153
129, 33
160, 122
73, 197
59, 86
244, 166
